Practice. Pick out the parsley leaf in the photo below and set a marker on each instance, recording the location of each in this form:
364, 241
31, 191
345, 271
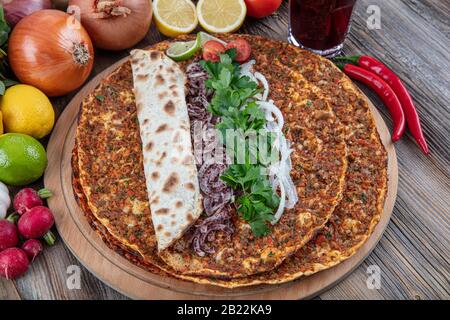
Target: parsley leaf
5, 71
233, 103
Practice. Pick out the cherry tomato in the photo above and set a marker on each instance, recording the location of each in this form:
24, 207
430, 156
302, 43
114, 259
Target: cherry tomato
243, 49
261, 8
212, 49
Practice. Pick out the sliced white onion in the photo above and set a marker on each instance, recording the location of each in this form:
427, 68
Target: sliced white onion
271, 108
279, 172
247, 68
265, 84
282, 205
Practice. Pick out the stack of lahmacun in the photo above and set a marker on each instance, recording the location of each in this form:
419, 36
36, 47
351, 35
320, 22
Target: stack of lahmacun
147, 205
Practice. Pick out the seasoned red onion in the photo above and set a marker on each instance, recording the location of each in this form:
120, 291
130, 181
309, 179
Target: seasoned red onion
17, 9
198, 96
209, 176
216, 194
205, 232
216, 202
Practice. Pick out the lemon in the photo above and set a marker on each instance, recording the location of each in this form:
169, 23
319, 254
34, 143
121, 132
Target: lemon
221, 16
27, 110
204, 37
1, 123
22, 159
174, 17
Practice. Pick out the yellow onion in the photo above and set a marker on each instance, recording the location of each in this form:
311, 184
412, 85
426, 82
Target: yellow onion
114, 24
51, 51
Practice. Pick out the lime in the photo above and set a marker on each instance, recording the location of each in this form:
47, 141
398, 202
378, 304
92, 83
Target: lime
22, 159
204, 37
180, 51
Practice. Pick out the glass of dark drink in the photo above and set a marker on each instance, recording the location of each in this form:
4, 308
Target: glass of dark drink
320, 25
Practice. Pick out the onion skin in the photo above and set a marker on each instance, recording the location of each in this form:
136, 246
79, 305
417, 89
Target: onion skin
18, 9
41, 52
116, 32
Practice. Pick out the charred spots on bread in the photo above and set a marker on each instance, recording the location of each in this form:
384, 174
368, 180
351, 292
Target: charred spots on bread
178, 204
162, 211
160, 81
142, 77
155, 175
190, 186
169, 107
162, 128
149, 146
155, 55
171, 183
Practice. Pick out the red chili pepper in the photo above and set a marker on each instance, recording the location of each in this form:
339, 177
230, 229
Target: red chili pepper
384, 91
412, 118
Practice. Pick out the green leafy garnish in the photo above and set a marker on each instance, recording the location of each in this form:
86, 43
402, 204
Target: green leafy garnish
4, 72
238, 112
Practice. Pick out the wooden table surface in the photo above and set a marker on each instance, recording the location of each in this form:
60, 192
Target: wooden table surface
413, 254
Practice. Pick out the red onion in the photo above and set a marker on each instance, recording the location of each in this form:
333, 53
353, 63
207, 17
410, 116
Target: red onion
15, 10
216, 194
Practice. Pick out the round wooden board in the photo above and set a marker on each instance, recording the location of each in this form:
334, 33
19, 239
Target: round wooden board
135, 282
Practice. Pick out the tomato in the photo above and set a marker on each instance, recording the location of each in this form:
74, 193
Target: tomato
212, 49
243, 49
261, 8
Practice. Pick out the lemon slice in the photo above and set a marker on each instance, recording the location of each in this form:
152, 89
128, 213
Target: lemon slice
180, 51
204, 37
174, 17
221, 16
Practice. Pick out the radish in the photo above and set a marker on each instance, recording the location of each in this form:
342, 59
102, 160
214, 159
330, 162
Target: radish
36, 223
8, 235
32, 248
29, 198
13, 263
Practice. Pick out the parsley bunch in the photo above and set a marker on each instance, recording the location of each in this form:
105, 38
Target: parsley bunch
233, 103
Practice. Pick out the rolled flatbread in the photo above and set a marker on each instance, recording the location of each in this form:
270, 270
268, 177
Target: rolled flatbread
169, 165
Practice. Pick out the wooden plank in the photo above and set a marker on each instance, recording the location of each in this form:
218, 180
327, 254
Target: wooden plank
48, 275
414, 253
8, 290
